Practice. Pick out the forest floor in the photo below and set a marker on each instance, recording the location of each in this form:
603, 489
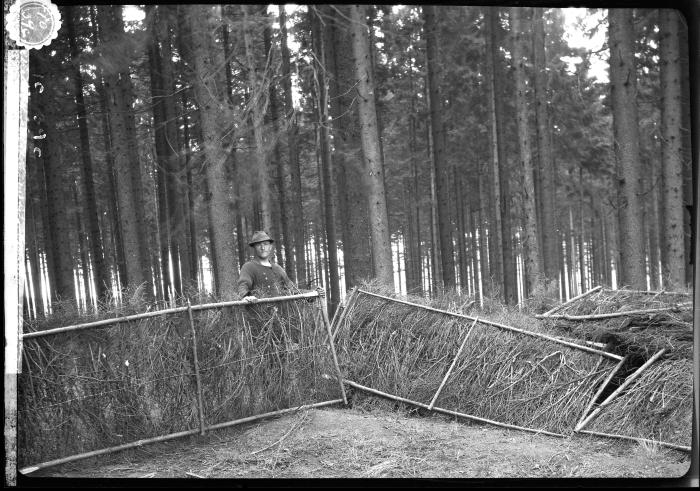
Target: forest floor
373, 440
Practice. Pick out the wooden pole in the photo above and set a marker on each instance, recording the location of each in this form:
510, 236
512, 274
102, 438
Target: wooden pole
616, 314
449, 370
650, 292
324, 315
196, 369
570, 301
502, 326
617, 391
447, 411
601, 388
145, 315
172, 436
351, 301
637, 439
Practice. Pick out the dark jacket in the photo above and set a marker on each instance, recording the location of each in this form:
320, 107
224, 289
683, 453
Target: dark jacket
263, 281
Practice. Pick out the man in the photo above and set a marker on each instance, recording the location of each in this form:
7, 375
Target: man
260, 277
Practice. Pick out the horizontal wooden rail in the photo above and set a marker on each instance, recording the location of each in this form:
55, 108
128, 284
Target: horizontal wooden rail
621, 313
501, 326
172, 436
145, 315
638, 439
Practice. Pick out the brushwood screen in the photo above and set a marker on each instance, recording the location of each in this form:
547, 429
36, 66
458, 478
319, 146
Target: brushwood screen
95, 388
657, 406
501, 375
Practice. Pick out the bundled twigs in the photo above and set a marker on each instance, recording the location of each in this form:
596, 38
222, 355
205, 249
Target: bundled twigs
449, 370
506, 374
657, 405
569, 302
497, 324
618, 314
447, 411
617, 391
87, 389
602, 387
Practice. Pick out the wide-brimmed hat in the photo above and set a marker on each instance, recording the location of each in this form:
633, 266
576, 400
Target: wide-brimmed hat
259, 236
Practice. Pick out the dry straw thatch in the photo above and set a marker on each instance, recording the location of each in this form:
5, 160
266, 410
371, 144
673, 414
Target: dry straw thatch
504, 376
658, 406
95, 388
630, 322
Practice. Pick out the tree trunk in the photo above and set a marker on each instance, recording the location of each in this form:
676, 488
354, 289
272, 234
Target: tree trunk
190, 260
90, 204
57, 227
326, 163
416, 286
117, 249
501, 168
258, 102
548, 226
690, 171
347, 155
438, 156
282, 218
297, 263
533, 270
162, 150
206, 60
623, 82
374, 174
671, 151
126, 161
179, 247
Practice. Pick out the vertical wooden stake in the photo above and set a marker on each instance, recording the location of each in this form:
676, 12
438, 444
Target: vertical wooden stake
324, 314
454, 362
196, 369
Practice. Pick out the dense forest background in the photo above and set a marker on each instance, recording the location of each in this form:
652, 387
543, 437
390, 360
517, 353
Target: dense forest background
431, 148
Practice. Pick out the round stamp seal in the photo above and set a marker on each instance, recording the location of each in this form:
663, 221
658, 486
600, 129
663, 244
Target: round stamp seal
33, 23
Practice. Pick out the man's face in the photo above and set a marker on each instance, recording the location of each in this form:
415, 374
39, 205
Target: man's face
263, 249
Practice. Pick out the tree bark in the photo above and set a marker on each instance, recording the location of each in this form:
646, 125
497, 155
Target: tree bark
533, 269
162, 150
258, 101
374, 173
126, 160
623, 82
297, 264
501, 168
207, 59
326, 162
548, 227
90, 208
438, 156
671, 150
347, 155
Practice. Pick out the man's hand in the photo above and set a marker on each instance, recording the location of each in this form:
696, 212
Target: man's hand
250, 299
321, 292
